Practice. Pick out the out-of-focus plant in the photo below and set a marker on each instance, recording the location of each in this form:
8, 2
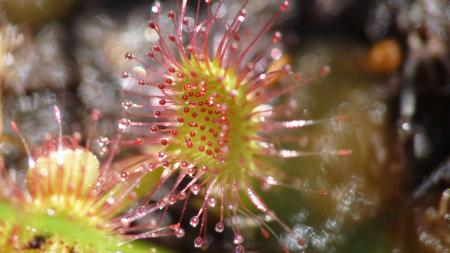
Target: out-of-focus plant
35, 12
433, 224
70, 201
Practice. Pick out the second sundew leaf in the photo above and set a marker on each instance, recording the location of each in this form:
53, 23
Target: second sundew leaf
72, 202
63, 232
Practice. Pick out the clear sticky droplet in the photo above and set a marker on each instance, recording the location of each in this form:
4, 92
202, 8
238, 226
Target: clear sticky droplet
212, 202
219, 227
239, 249
139, 72
198, 242
179, 232
238, 239
194, 221
195, 189
123, 124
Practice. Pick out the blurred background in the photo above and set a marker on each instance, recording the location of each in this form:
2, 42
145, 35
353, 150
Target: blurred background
390, 63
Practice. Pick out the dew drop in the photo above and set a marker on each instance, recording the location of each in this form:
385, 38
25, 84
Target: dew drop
171, 14
141, 210
219, 227
234, 45
139, 71
181, 195
239, 249
156, 8
110, 200
161, 203
138, 141
212, 202
325, 70
301, 243
151, 24
195, 189
151, 54
276, 53
124, 221
151, 167
238, 239
129, 56
284, 5
276, 37
126, 104
123, 124
194, 221
191, 171
198, 242
172, 199
179, 233
123, 176
242, 15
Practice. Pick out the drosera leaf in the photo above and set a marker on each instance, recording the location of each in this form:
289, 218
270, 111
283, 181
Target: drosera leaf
83, 237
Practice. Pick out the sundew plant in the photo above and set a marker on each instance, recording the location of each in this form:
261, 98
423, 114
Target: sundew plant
71, 202
208, 105
209, 98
